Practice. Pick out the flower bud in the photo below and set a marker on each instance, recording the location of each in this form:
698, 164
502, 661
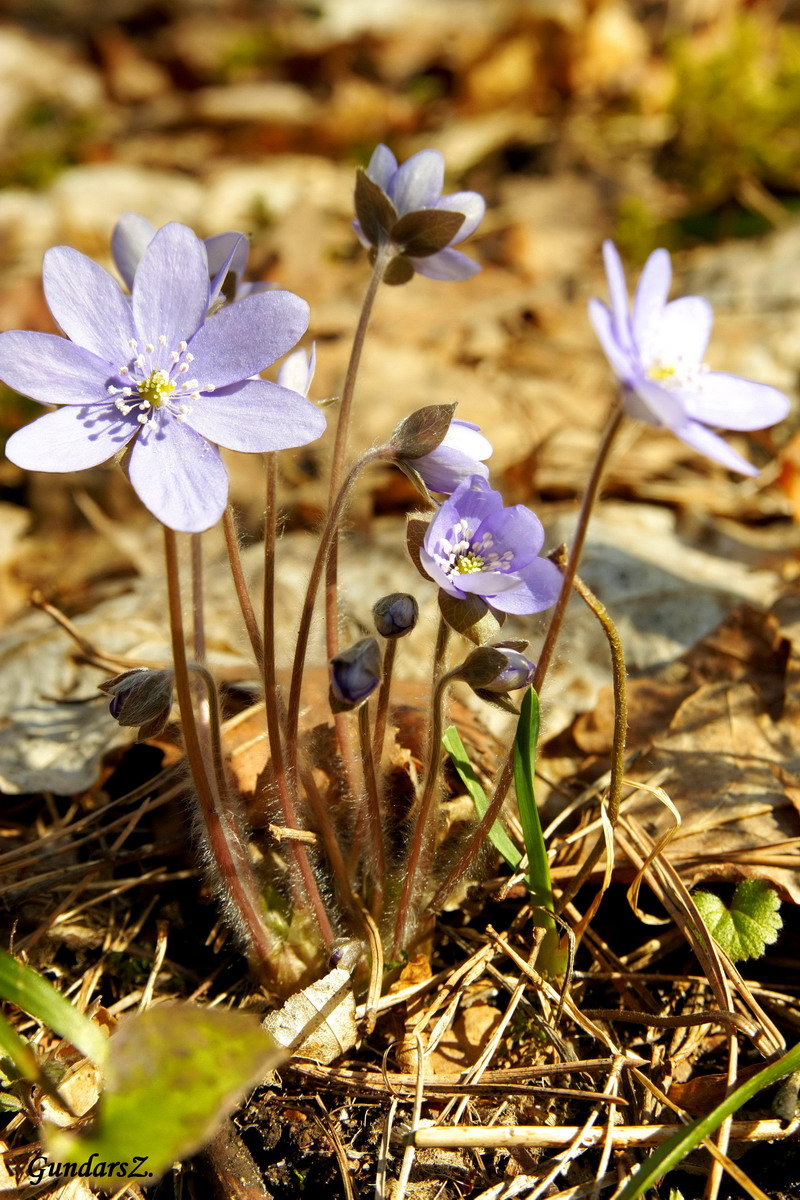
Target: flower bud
492, 671
517, 673
395, 615
142, 697
355, 673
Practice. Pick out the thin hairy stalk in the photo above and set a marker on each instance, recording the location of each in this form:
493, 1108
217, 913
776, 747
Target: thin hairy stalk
581, 529
304, 628
423, 840
242, 591
384, 692
230, 855
198, 615
337, 471
376, 858
618, 748
285, 785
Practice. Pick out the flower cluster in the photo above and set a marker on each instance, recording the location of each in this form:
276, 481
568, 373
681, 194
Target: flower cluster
153, 377
657, 353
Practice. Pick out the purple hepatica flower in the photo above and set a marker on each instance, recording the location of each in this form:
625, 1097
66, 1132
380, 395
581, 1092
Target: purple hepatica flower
227, 258
417, 186
476, 547
657, 354
153, 375
457, 457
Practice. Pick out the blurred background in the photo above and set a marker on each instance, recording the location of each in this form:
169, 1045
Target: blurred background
656, 122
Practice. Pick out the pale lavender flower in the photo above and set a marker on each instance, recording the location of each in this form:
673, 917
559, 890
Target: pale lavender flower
227, 257
151, 375
657, 352
474, 546
457, 457
417, 186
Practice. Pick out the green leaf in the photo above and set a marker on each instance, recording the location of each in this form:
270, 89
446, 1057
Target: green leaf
685, 1140
174, 1072
497, 834
31, 992
15, 1048
752, 923
552, 960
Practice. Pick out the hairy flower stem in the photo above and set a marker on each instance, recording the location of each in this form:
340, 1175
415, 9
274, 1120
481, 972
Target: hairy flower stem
229, 853
382, 711
304, 629
337, 472
581, 529
242, 590
286, 787
618, 749
376, 858
421, 849
479, 835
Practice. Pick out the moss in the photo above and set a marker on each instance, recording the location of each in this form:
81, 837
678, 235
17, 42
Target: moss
737, 113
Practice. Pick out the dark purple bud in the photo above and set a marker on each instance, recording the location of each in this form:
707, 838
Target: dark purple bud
355, 673
395, 615
141, 697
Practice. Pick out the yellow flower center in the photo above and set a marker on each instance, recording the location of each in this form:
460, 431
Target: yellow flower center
156, 388
661, 372
469, 563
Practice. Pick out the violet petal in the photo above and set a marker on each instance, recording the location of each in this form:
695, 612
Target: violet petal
132, 235
88, 304
51, 369
242, 339
651, 295
255, 417
418, 182
170, 289
71, 439
449, 265
735, 403
699, 437
179, 476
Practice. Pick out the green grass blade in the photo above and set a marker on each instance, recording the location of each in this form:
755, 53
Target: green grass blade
14, 1047
497, 834
686, 1139
525, 745
33, 994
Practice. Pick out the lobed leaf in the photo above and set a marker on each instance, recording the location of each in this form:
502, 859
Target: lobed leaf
752, 923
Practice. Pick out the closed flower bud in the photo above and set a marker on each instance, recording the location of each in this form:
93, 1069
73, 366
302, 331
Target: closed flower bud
492, 671
141, 697
517, 673
355, 673
395, 615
